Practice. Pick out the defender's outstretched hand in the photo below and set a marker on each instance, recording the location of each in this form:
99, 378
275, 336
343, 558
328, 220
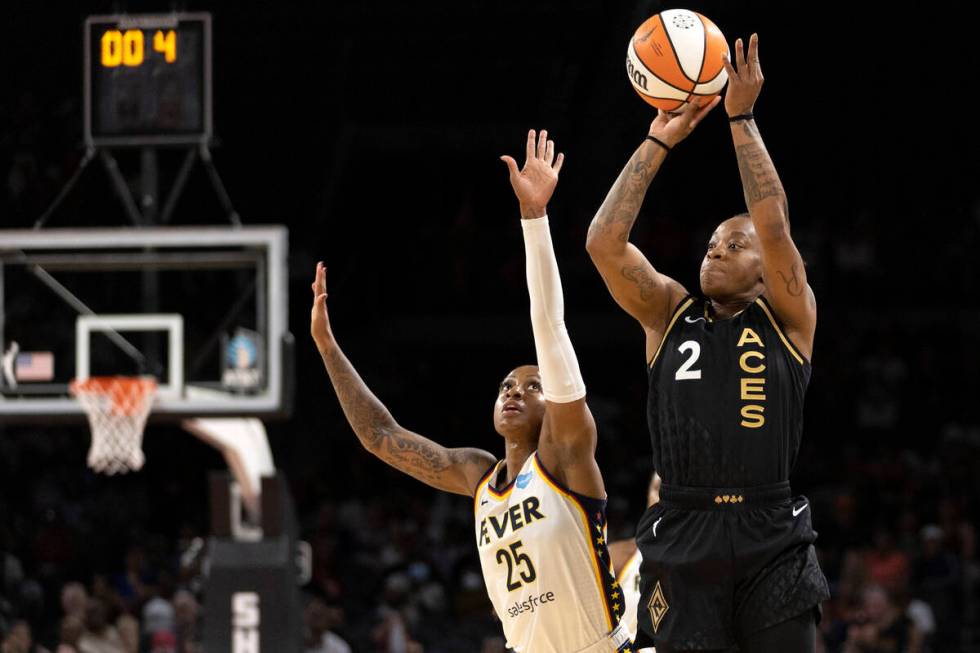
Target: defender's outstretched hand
536, 181
744, 84
319, 318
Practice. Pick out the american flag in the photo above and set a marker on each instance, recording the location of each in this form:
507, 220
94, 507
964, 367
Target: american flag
34, 366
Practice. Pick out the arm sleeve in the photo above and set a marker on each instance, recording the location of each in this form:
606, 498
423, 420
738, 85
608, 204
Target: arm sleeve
561, 378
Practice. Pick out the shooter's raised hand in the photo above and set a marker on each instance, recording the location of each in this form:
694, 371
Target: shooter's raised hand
745, 82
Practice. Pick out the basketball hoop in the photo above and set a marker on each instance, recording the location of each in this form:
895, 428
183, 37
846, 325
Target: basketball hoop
117, 408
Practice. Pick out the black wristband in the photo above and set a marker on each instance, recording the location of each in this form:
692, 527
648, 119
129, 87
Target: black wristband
742, 116
658, 142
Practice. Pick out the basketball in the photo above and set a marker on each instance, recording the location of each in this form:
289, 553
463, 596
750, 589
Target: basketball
675, 58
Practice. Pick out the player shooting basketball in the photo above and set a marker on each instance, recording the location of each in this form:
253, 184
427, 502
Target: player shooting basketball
540, 510
727, 553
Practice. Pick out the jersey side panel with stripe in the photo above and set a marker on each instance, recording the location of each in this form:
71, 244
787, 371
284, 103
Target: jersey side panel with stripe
629, 580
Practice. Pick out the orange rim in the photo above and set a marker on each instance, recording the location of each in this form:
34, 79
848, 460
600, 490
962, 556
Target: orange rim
127, 393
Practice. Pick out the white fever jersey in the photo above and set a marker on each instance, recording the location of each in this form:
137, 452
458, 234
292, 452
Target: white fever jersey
628, 579
546, 566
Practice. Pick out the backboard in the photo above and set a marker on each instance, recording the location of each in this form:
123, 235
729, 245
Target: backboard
201, 309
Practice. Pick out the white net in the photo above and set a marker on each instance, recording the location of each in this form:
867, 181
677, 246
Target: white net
117, 408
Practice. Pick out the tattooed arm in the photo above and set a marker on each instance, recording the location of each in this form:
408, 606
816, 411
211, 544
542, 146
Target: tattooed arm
784, 274
637, 287
452, 470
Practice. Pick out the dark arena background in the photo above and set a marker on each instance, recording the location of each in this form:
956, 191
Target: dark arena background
372, 130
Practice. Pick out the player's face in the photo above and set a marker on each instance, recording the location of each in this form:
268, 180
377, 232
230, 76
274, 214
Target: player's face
519, 410
732, 266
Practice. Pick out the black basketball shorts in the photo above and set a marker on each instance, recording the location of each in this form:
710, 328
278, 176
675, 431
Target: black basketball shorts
719, 563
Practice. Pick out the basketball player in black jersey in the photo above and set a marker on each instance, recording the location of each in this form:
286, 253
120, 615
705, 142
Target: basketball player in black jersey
728, 554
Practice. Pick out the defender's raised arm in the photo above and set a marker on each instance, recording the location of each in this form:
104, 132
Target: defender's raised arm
568, 439
452, 470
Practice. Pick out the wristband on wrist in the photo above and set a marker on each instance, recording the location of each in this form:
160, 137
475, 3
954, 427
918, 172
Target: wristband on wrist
658, 142
742, 116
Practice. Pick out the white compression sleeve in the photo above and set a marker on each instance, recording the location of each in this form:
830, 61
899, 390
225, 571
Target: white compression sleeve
561, 379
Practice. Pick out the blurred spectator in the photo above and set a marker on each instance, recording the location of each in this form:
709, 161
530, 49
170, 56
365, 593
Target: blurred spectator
163, 641
188, 623
392, 635
129, 633
320, 620
100, 636
887, 565
20, 639
71, 631
937, 577
159, 615
131, 584
74, 600
881, 627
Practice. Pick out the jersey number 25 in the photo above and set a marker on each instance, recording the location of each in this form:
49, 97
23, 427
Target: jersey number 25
514, 559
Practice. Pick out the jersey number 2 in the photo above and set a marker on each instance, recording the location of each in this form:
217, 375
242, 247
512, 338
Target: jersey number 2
685, 372
513, 559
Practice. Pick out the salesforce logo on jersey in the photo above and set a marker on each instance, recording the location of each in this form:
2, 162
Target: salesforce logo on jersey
530, 603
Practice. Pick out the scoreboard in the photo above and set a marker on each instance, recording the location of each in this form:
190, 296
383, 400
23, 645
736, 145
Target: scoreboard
148, 79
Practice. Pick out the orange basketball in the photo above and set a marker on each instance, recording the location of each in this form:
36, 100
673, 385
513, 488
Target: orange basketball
675, 58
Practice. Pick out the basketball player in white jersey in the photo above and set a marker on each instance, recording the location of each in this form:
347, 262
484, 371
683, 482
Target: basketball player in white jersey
626, 559
540, 510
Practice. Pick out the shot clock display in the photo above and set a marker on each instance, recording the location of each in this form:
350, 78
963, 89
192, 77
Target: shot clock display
148, 79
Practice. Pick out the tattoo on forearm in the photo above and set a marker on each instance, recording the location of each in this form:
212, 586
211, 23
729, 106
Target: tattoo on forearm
795, 286
415, 456
380, 434
749, 128
618, 212
643, 280
759, 178
371, 421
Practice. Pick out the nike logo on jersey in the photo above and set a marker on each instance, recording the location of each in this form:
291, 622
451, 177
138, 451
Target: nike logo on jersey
797, 511
655, 527
690, 321
484, 502
523, 480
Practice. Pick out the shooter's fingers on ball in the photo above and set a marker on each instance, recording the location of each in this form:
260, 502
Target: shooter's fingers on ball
704, 111
726, 61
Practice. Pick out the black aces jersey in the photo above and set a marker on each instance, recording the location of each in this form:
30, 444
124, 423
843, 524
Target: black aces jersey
725, 407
